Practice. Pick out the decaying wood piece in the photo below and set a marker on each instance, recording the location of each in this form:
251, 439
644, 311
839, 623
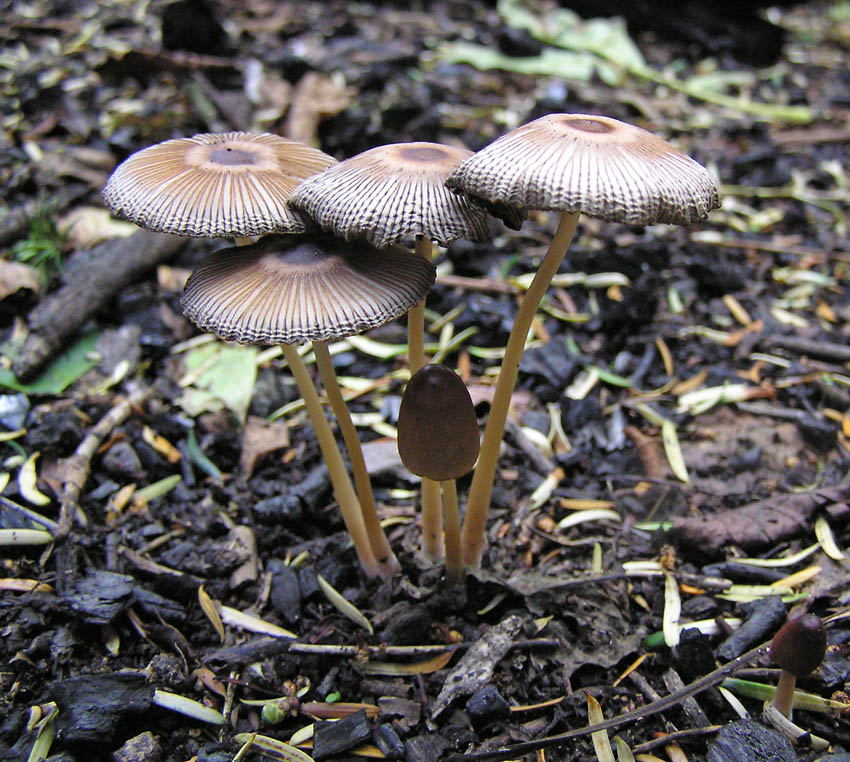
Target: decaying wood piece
110, 267
760, 524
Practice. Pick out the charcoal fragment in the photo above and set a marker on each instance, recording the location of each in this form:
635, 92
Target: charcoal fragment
763, 617
387, 740
425, 748
159, 606
100, 596
749, 741
285, 592
121, 460
835, 670
744, 574
820, 435
487, 705
94, 708
333, 738
279, 509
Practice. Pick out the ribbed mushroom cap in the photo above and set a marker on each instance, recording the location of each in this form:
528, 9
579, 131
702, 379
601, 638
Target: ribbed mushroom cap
800, 645
294, 288
396, 191
591, 164
226, 185
437, 428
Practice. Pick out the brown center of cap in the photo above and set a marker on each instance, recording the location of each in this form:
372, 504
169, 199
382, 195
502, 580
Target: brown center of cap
423, 153
232, 156
586, 124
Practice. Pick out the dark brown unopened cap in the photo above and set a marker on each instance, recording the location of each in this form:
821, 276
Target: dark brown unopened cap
226, 185
591, 164
294, 288
393, 192
437, 428
800, 645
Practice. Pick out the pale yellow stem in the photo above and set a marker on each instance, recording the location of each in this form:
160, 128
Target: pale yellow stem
387, 562
342, 486
478, 502
783, 699
432, 507
416, 317
454, 560
432, 520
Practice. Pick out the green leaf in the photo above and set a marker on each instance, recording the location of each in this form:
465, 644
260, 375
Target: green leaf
550, 62
221, 374
61, 373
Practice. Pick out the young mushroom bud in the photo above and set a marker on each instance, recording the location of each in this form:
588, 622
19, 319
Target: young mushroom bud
438, 439
798, 648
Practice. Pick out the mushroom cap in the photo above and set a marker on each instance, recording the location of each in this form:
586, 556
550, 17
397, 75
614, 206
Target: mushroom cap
286, 289
437, 429
216, 185
591, 164
396, 191
800, 645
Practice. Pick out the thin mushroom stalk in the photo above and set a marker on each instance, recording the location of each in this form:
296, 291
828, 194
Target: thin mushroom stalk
285, 290
385, 195
342, 486
451, 520
478, 500
570, 163
432, 506
386, 559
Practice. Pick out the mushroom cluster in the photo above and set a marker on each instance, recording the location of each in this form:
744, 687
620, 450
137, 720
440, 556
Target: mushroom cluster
329, 264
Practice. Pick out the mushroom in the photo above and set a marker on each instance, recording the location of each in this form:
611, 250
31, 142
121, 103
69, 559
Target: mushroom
571, 163
438, 440
294, 288
385, 195
216, 185
798, 648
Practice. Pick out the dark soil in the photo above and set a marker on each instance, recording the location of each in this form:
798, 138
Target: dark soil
750, 306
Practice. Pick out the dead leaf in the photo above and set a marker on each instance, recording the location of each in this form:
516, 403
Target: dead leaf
260, 438
87, 226
15, 276
760, 524
246, 543
520, 400
316, 96
381, 456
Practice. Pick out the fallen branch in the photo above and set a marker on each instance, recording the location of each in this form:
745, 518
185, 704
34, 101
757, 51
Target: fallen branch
109, 267
76, 468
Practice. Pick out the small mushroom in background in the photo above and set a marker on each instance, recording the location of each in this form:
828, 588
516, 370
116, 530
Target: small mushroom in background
438, 439
214, 185
571, 163
798, 648
384, 196
285, 290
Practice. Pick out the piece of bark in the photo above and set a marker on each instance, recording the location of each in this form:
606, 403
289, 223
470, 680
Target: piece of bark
110, 267
760, 524
476, 667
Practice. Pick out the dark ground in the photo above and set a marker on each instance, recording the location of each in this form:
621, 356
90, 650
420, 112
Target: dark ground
750, 309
